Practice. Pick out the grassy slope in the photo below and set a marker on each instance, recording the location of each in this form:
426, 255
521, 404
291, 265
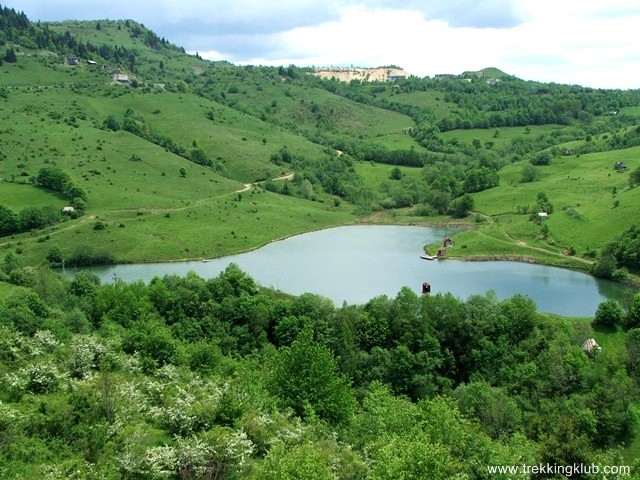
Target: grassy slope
53, 116
580, 188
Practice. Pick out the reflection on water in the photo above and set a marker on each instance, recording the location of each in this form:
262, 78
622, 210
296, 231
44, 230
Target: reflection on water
356, 263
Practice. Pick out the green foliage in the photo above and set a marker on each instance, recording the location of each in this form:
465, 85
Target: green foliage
462, 206
608, 314
633, 317
10, 56
396, 173
180, 376
542, 203
529, 174
306, 378
634, 178
626, 248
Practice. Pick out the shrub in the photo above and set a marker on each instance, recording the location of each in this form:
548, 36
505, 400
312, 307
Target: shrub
608, 314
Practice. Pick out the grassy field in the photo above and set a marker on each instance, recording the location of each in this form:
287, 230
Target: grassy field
202, 228
586, 211
430, 99
500, 138
376, 174
150, 210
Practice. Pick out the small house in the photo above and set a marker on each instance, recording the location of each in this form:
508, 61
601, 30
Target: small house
92, 62
619, 166
426, 287
567, 152
121, 77
441, 252
447, 242
590, 346
543, 215
68, 209
72, 60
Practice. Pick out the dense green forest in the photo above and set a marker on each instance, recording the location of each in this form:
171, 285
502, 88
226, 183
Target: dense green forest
192, 378
186, 377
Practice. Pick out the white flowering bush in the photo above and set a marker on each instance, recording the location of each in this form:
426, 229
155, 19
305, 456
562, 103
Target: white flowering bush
46, 339
86, 353
177, 417
10, 419
15, 384
10, 350
213, 453
41, 377
161, 462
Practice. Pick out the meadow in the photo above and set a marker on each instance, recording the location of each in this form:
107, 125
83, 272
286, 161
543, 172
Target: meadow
590, 201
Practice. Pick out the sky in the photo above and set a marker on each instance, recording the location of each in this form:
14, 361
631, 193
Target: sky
592, 43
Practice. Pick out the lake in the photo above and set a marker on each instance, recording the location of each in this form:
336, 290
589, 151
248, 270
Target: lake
354, 264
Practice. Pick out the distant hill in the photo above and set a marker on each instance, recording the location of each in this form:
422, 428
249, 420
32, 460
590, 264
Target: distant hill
489, 72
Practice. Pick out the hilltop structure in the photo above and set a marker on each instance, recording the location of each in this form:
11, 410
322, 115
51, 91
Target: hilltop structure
346, 74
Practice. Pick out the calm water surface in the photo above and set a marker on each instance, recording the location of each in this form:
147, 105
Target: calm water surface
356, 263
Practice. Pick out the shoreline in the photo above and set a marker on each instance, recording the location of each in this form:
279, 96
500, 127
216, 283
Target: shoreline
366, 221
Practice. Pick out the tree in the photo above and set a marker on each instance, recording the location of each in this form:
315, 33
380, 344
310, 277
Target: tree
543, 204
634, 178
606, 266
8, 221
10, 56
54, 256
542, 158
633, 318
529, 174
306, 378
183, 172
608, 314
31, 218
53, 177
112, 123
396, 174
462, 206
633, 350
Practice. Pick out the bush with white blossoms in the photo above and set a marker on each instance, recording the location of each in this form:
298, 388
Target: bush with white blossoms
10, 419
41, 377
46, 339
209, 455
213, 454
86, 353
178, 417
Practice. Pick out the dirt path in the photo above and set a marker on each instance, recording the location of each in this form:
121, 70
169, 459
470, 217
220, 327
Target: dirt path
524, 244
248, 186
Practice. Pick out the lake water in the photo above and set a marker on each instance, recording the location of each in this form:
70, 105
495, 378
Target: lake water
357, 263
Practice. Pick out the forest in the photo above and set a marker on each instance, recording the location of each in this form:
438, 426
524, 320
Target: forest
186, 377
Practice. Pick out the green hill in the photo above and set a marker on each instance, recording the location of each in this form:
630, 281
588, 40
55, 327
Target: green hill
486, 73
157, 143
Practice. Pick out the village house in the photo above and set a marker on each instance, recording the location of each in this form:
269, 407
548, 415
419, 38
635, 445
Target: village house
121, 77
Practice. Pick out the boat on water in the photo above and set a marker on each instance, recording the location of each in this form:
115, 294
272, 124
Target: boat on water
206, 260
428, 257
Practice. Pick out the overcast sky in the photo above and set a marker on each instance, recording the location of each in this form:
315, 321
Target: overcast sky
588, 42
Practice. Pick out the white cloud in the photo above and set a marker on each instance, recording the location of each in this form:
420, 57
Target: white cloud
590, 43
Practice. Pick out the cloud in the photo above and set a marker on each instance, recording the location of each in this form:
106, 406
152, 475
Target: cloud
476, 13
548, 40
